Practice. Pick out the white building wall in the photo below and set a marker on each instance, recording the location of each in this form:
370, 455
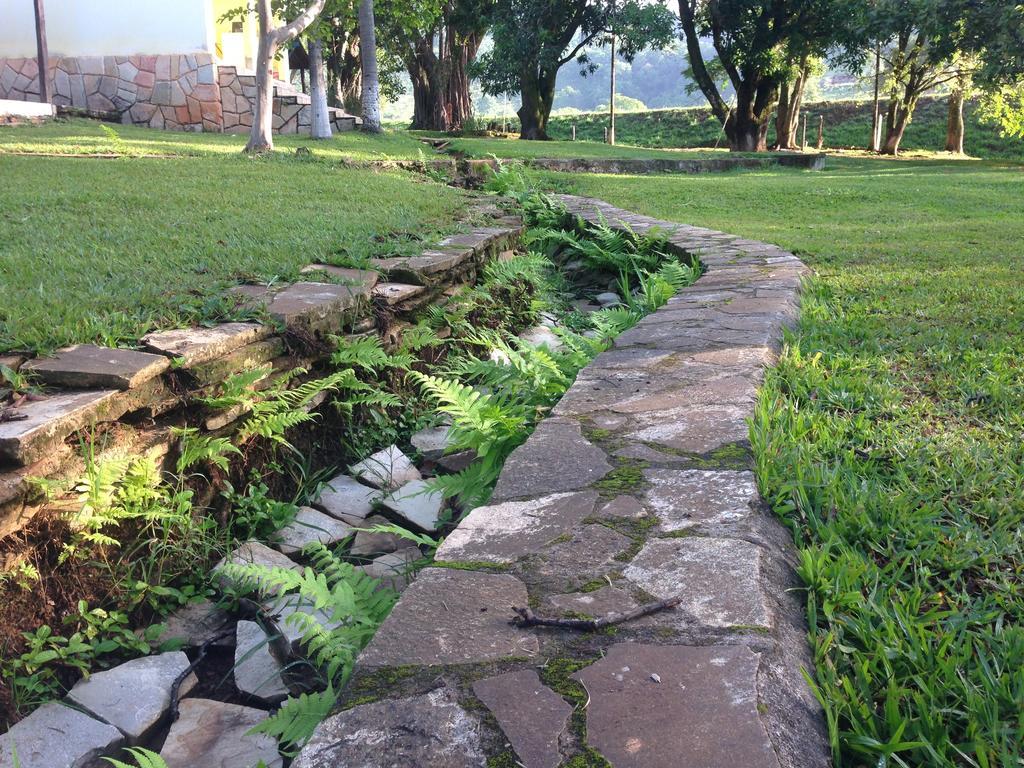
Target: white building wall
109, 27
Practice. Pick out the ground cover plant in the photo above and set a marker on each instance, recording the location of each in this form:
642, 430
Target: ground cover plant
105, 250
888, 438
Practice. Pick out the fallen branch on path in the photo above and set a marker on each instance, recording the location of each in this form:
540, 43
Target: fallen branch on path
527, 618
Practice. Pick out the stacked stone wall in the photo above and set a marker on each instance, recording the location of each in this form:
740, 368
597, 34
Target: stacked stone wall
173, 91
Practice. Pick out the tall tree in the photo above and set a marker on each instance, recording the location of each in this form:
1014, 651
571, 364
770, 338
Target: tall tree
757, 43
533, 39
320, 124
261, 138
368, 58
994, 35
438, 52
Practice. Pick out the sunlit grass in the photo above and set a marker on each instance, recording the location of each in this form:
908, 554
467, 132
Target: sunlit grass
105, 250
889, 438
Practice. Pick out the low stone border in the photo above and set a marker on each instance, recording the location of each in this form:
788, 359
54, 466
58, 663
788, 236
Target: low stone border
637, 165
638, 488
135, 395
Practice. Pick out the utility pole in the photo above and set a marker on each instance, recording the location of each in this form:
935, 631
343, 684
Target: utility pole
611, 97
42, 54
874, 115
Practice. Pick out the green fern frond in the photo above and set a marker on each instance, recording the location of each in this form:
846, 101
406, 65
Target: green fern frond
297, 719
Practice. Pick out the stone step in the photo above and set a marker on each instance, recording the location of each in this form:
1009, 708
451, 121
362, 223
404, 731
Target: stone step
51, 419
89, 366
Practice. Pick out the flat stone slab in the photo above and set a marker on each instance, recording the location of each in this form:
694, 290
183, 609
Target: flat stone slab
361, 279
257, 673
57, 735
601, 602
211, 734
310, 526
590, 553
530, 714
396, 293
253, 553
685, 498
452, 616
428, 731
196, 623
623, 507
697, 429
417, 504
721, 580
192, 346
347, 499
387, 469
433, 442
554, 459
50, 420
313, 303
505, 532
702, 714
135, 696
87, 365
374, 542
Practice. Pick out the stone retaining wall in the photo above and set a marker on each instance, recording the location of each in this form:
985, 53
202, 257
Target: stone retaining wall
133, 397
635, 165
637, 489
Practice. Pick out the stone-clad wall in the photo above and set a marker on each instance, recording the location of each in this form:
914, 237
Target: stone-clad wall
173, 91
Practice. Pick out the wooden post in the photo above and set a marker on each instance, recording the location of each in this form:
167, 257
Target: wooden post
821, 131
574, 131
42, 54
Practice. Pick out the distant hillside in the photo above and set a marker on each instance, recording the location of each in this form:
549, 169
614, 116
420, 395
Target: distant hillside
847, 124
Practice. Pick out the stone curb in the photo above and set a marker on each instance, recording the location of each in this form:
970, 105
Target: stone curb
639, 483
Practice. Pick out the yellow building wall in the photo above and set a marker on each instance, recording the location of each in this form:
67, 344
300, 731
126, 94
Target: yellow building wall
238, 49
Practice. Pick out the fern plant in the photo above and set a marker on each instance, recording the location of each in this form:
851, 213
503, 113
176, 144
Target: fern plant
144, 758
297, 719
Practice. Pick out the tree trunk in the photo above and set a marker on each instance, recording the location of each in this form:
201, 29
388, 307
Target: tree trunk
321, 122
459, 101
538, 94
344, 73
787, 118
955, 122
896, 120
747, 125
368, 56
261, 137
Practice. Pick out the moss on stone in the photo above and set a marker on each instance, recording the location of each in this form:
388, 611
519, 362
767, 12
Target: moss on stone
625, 478
472, 565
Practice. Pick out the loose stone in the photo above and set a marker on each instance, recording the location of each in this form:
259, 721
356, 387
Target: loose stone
376, 542
388, 469
195, 624
452, 616
702, 714
347, 499
134, 696
608, 299
542, 336
257, 673
210, 734
252, 553
428, 731
417, 504
308, 527
432, 442
393, 569
530, 714
57, 735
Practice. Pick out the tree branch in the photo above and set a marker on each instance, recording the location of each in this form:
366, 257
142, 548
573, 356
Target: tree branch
295, 28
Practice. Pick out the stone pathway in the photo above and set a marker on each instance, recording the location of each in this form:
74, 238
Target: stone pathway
639, 487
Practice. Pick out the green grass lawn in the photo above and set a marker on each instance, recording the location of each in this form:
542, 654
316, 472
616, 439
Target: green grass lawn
82, 136
104, 250
889, 438
514, 149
